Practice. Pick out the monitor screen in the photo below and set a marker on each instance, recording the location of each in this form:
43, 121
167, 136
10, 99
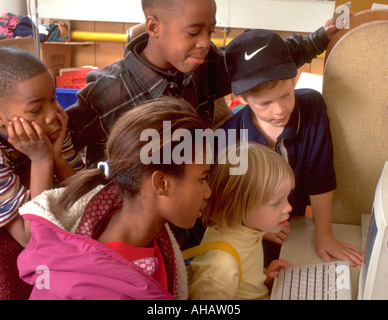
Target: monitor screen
373, 280
369, 246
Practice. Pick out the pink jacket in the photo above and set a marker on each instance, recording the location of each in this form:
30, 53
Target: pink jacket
68, 264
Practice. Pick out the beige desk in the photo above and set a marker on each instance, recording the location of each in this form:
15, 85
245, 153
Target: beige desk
299, 247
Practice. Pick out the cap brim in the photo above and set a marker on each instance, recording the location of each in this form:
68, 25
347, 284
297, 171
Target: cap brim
257, 77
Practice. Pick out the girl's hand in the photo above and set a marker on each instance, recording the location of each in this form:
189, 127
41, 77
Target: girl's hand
30, 139
273, 268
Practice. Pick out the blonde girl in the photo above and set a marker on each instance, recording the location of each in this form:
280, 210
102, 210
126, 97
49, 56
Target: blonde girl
241, 209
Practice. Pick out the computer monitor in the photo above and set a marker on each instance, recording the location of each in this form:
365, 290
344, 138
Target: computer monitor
373, 279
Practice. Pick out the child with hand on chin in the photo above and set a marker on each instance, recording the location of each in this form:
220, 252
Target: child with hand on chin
35, 146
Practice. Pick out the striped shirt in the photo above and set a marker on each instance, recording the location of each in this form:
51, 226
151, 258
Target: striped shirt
15, 176
121, 86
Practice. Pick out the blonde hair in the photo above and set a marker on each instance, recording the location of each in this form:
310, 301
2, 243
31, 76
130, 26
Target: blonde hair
234, 197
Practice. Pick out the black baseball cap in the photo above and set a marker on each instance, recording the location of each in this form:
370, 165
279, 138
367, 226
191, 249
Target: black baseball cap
255, 57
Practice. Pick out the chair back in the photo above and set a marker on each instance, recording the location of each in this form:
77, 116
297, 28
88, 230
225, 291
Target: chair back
355, 88
135, 31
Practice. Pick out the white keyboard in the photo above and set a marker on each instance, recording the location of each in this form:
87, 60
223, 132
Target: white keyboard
314, 282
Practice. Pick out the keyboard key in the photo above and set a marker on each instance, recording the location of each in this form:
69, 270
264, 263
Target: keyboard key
312, 282
287, 284
303, 284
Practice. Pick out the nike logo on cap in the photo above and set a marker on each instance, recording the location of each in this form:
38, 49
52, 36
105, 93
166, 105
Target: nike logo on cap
250, 56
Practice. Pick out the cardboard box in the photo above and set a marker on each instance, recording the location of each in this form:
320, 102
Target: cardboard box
22, 43
56, 55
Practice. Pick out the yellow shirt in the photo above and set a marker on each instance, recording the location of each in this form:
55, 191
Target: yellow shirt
214, 275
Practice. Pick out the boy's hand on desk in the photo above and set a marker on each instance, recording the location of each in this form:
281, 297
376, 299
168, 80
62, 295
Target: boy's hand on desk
280, 236
30, 139
272, 271
328, 247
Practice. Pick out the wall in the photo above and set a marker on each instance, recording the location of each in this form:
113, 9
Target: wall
100, 53
13, 6
284, 15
